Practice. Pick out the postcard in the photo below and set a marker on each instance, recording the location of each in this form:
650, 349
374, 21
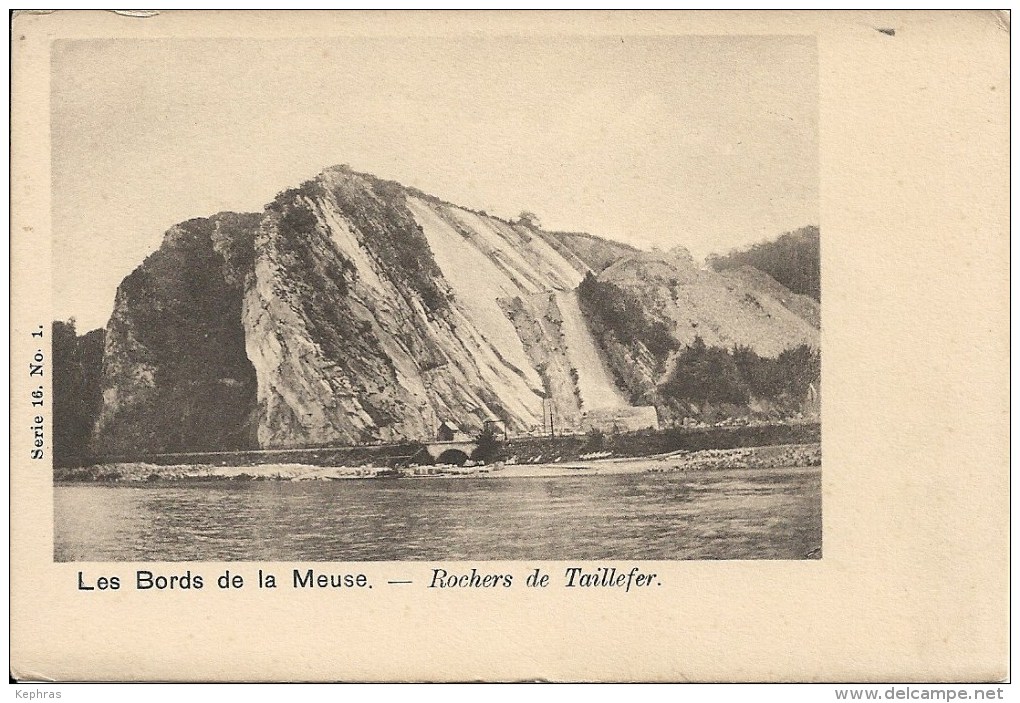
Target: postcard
503, 346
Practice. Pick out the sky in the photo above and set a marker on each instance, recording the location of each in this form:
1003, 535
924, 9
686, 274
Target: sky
706, 142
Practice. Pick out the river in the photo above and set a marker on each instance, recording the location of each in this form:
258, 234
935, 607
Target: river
710, 514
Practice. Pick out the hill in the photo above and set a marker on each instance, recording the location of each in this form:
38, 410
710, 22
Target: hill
792, 259
354, 310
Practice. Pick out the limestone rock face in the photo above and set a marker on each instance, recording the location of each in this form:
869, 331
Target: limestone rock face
356, 310
175, 372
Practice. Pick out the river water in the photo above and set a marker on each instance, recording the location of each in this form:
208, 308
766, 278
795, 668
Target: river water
713, 514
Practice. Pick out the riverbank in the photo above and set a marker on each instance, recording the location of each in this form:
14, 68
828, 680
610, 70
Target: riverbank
520, 449
767, 457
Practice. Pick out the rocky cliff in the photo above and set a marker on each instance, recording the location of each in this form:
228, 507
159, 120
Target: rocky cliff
355, 310
175, 371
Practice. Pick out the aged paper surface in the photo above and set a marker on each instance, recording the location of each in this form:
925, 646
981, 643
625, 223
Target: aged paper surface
911, 192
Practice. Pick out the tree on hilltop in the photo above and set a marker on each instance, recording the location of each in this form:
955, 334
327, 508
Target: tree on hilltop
529, 219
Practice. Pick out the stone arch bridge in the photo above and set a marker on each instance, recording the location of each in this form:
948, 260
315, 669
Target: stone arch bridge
454, 452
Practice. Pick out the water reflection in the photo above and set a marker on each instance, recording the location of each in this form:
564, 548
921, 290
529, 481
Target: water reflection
727, 514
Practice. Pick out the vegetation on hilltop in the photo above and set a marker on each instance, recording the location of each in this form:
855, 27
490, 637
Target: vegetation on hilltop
793, 259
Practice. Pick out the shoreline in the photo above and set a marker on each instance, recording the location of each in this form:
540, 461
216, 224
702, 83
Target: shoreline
746, 458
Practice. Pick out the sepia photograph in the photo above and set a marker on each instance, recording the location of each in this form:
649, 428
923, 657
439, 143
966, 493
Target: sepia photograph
436, 298
451, 346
